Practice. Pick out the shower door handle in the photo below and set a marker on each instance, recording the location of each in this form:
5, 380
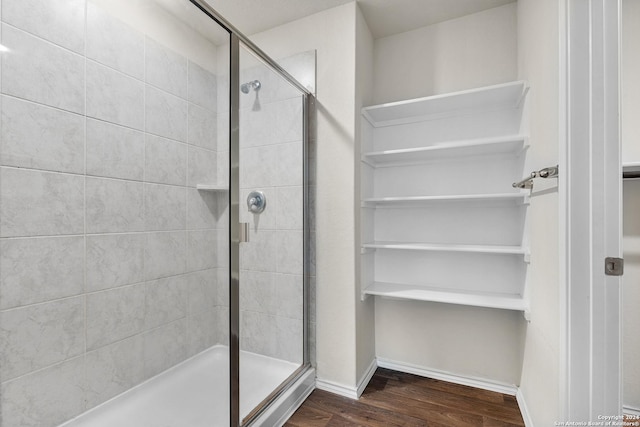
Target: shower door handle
244, 232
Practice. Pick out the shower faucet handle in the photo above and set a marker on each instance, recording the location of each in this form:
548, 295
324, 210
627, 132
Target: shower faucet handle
256, 202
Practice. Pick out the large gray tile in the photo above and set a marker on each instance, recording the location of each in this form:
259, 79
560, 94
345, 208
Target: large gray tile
59, 21
289, 164
38, 137
166, 300
114, 151
165, 161
289, 339
275, 123
203, 249
288, 292
37, 336
223, 167
165, 207
166, 115
260, 253
203, 127
114, 314
257, 291
202, 167
40, 203
203, 87
114, 260
289, 208
164, 347
165, 68
34, 270
257, 333
114, 97
202, 291
165, 254
113, 43
259, 166
114, 206
206, 209
44, 398
202, 331
290, 255
222, 322
42, 72
114, 369
223, 286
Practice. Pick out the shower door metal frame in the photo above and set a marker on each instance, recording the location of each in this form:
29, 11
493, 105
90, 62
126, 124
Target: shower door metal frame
308, 117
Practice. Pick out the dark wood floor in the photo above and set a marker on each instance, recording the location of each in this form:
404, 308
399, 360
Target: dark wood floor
397, 399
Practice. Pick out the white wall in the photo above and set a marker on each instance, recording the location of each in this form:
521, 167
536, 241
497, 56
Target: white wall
333, 34
472, 51
365, 333
476, 50
538, 43
630, 98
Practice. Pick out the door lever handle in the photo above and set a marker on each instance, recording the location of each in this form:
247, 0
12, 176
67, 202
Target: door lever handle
244, 232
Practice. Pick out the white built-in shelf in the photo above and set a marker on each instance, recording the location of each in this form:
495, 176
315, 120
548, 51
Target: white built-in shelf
411, 201
477, 147
471, 129
435, 294
440, 247
507, 95
212, 187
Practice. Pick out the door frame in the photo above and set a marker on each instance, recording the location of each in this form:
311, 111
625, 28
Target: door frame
590, 209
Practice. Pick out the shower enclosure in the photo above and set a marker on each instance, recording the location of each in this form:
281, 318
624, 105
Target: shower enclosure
154, 229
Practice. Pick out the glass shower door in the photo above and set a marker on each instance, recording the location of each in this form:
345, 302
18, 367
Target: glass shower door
271, 216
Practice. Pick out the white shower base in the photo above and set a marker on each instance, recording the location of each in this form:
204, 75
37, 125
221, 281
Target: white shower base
194, 393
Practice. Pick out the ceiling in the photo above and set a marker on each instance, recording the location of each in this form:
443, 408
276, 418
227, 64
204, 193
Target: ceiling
384, 17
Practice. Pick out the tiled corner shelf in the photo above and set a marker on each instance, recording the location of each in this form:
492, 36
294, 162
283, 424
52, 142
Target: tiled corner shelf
212, 187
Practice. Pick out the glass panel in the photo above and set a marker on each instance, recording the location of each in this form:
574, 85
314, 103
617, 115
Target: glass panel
113, 289
271, 203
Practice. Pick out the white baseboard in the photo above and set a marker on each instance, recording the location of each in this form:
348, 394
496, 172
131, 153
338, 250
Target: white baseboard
630, 410
524, 410
449, 377
339, 389
362, 384
345, 390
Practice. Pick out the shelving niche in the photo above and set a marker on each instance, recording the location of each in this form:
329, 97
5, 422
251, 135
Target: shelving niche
440, 219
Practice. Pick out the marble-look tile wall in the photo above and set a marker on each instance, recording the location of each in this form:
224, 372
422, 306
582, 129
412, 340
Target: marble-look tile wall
271, 161
109, 255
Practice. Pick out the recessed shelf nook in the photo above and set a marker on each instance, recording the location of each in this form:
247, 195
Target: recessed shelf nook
437, 200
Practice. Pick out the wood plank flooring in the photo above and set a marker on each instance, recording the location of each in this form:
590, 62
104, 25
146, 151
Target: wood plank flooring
398, 399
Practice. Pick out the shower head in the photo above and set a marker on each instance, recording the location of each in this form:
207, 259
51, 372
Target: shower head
255, 85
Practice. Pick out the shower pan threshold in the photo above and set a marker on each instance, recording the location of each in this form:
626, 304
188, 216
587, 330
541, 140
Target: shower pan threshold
195, 393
